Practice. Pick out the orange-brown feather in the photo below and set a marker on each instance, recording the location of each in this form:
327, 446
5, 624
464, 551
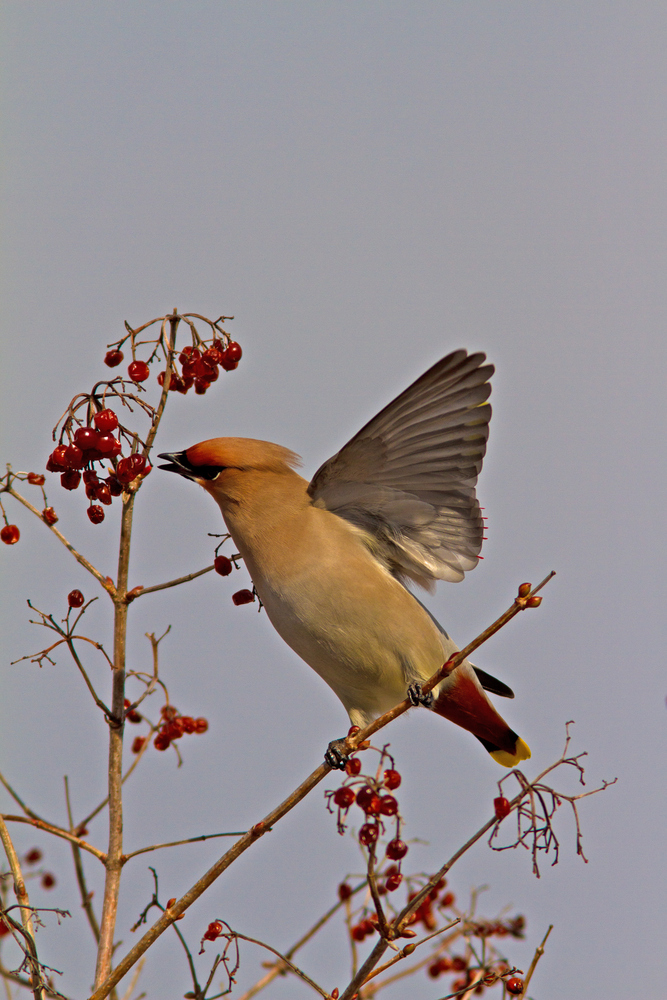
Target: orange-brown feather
243, 453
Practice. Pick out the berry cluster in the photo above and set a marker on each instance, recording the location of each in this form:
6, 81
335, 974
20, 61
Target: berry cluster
174, 726
199, 366
424, 912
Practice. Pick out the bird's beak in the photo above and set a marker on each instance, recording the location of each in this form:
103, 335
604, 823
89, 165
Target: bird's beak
178, 462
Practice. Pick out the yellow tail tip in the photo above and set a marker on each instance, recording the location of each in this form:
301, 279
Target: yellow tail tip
507, 759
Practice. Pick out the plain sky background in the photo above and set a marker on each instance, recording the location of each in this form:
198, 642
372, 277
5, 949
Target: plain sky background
365, 187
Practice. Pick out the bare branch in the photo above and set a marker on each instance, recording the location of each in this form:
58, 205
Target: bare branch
86, 896
57, 831
174, 583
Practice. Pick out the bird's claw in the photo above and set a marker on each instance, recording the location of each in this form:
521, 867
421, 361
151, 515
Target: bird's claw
417, 697
337, 754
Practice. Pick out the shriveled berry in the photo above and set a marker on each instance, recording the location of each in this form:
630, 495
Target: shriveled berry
392, 778
138, 371
48, 880
234, 352
368, 834
388, 805
75, 599
35, 479
212, 356
161, 741
188, 724
344, 891
397, 849
353, 766
10, 534
70, 479
201, 385
115, 487
33, 856
393, 881
86, 438
137, 463
105, 420
95, 513
58, 455
501, 807
103, 494
459, 963
213, 931
243, 597
90, 476
169, 712
134, 716
343, 797
358, 932
125, 472
49, 515
175, 728
185, 354
113, 358
138, 744
514, 986
223, 565
74, 457
201, 725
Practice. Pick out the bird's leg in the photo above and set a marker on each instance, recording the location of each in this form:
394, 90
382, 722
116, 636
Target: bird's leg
417, 697
337, 754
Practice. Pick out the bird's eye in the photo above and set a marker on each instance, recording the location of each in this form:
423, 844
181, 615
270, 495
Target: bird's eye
209, 472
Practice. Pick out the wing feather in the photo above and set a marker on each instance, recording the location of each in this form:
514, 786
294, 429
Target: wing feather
408, 477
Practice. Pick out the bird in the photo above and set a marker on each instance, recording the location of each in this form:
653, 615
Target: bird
332, 560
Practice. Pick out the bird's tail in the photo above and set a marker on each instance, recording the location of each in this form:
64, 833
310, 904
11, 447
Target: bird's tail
461, 699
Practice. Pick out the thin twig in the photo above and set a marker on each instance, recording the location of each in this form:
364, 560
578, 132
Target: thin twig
57, 831
86, 900
539, 951
177, 843
174, 583
21, 892
290, 965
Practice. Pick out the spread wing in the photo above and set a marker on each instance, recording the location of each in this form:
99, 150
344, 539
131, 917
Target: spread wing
408, 477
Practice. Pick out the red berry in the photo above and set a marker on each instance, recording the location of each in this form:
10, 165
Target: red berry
185, 354
514, 986
358, 932
343, 797
365, 799
138, 371
212, 356
344, 891
169, 712
161, 741
188, 724
396, 849
137, 463
4, 929
58, 455
388, 805
70, 479
234, 352
75, 598
201, 725
161, 377
210, 372
133, 716
501, 807
175, 728
10, 534
86, 438
35, 479
49, 515
368, 834
353, 766
213, 931
222, 565
392, 779
48, 880
113, 358
103, 494
138, 743
243, 597
105, 420
201, 385
228, 364
448, 899
115, 487
33, 856
73, 457
95, 513
393, 881
106, 443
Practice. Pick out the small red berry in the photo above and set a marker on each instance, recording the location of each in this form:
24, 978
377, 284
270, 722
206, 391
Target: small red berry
358, 932
103, 494
212, 356
201, 725
138, 371
393, 881
188, 724
86, 438
514, 986
133, 716
223, 565
48, 880
201, 385
58, 455
343, 797
10, 534
388, 805
396, 849
365, 796
105, 420
138, 743
448, 899
90, 477
113, 358
70, 479
501, 807
344, 891
392, 779
161, 741
368, 834
33, 856
234, 352
137, 463
75, 598
213, 931
185, 354
106, 443
4, 929
49, 515
74, 457
169, 712
115, 487
35, 479
353, 766
228, 364
243, 597
95, 513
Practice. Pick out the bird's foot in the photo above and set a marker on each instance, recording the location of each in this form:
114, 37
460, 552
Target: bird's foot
337, 754
417, 697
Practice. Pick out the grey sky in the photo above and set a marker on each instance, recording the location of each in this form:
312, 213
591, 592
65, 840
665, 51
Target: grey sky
365, 187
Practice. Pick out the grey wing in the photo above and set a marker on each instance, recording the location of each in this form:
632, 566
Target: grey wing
408, 477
